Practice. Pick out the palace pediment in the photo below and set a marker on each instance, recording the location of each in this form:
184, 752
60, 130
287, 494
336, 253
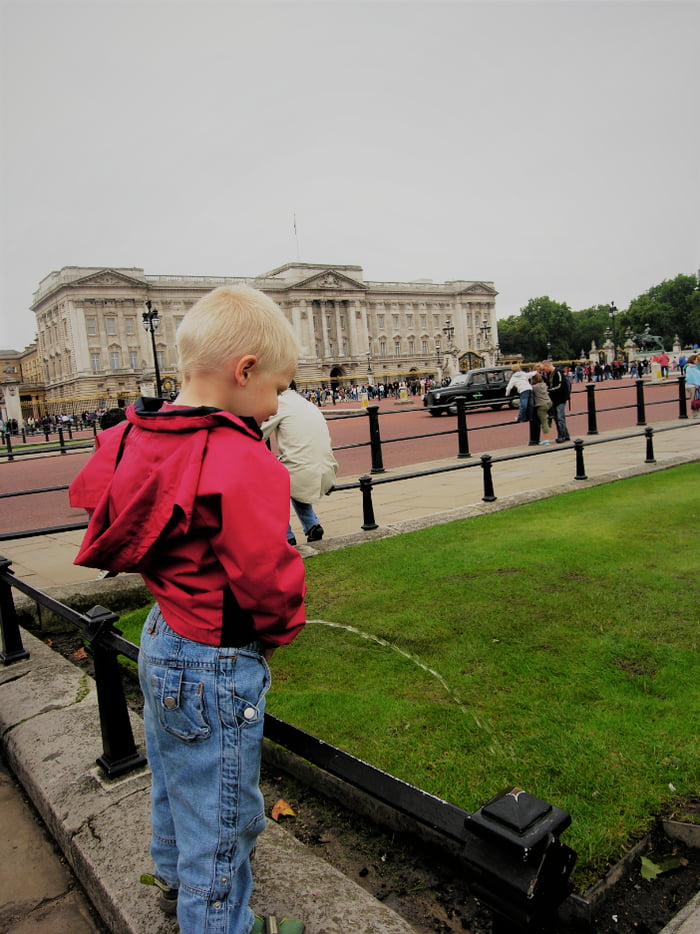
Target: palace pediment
478, 288
330, 279
109, 277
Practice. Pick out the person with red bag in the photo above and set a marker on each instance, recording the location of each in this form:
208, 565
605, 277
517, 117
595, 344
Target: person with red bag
692, 383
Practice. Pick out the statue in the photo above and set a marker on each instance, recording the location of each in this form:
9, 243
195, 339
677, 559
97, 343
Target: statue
648, 342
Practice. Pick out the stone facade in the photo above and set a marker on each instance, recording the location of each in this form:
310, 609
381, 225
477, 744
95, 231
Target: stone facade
23, 369
92, 345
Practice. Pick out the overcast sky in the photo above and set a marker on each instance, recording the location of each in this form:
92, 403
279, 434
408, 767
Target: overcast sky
550, 147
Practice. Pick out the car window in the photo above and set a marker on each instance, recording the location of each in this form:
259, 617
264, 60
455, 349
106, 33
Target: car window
459, 380
478, 379
496, 377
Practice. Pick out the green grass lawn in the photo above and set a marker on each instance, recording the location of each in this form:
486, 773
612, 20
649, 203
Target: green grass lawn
552, 646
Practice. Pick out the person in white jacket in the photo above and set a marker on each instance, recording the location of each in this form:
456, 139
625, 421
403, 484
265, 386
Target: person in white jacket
520, 381
304, 447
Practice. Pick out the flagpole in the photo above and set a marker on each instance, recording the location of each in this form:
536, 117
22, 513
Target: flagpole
296, 237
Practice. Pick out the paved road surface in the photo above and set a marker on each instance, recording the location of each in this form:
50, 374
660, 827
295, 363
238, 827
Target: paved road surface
430, 439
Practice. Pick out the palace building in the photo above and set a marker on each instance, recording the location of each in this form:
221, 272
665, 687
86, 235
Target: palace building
92, 345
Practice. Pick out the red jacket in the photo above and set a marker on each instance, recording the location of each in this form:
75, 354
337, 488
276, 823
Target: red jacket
195, 502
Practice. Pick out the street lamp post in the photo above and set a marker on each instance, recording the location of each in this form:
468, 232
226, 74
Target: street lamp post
150, 323
613, 312
486, 337
370, 381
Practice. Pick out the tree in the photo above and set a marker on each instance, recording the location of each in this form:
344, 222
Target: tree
590, 325
541, 322
671, 308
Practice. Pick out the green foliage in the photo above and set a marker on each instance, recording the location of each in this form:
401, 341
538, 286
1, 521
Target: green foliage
540, 322
671, 308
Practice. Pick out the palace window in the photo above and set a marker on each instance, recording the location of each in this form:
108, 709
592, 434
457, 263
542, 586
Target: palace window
115, 360
133, 359
130, 325
395, 322
397, 348
95, 361
411, 346
424, 347
111, 324
382, 348
409, 321
92, 327
380, 321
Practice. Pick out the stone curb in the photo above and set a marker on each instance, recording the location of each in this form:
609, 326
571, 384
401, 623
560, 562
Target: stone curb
50, 736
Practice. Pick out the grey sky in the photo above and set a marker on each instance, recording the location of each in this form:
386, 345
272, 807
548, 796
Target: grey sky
553, 148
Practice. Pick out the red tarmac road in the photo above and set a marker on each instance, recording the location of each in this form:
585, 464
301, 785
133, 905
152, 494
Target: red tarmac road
488, 431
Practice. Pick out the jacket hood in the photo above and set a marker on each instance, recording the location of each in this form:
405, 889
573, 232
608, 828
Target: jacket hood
138, 491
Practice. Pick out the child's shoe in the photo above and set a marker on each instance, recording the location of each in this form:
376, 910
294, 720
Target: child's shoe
270, 925
167, 896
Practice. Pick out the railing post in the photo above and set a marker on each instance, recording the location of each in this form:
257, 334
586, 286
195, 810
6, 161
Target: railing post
61, 439
580, 469
119, 752
592, 414
367, 509
10, 634
8, 442
682, 401
641, 418
375, 440
462, 435
650, 459
489, 496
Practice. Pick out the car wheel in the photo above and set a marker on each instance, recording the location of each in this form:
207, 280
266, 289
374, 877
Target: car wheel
436, 412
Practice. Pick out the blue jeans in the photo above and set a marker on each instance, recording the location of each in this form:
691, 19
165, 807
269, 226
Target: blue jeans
203, 716
559, 413
305, 514
526, 406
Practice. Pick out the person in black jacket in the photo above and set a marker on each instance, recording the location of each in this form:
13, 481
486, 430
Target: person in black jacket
559, 392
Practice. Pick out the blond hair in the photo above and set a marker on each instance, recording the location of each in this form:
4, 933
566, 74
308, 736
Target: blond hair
231, 321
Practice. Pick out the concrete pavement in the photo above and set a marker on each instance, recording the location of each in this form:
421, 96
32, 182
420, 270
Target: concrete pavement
49, 728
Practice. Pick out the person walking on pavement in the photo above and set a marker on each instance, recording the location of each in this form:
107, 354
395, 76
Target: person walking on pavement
304, 447
559, 392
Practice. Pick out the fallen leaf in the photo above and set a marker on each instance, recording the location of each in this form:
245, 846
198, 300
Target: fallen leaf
651, 870
282, 809
80, 654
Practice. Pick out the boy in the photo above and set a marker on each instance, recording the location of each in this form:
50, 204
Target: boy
187, 494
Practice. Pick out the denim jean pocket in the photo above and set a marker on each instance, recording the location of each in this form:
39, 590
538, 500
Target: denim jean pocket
181, 706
